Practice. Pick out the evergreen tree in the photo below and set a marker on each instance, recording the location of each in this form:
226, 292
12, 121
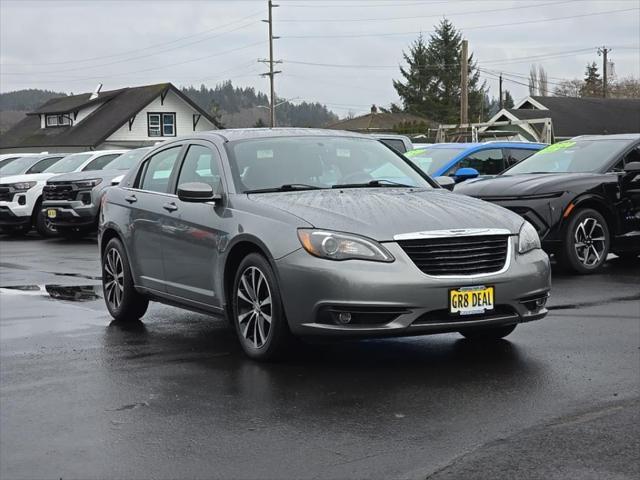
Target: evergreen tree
592, 82
259, 124
507, 102
431, 85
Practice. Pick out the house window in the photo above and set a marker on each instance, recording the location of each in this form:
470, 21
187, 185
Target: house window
161, 124
58, 120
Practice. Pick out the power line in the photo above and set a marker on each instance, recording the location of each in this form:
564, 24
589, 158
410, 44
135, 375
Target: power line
477, 27
412, 17
103, 57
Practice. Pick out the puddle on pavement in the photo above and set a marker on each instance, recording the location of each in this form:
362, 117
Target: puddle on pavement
70, 293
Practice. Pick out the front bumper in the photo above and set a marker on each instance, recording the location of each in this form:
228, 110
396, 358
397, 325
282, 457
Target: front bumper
9, 218
397, 299
71, 213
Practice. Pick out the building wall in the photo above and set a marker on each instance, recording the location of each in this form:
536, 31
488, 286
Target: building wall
138, 134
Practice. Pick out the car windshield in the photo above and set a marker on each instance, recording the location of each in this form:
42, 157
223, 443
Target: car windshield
430, 160
317, 162
69, 163
572, 156
17, 166
126, 161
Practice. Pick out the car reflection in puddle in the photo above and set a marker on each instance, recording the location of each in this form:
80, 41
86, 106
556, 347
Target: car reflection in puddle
70, 293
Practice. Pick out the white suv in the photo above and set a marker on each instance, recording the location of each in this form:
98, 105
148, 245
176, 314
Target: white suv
21, 195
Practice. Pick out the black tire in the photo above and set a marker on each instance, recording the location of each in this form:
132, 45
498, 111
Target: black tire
487, 334
124, 303
71, 233
250, 323
580, 252
43, 225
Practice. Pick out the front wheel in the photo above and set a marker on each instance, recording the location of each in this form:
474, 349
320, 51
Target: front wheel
124, 303
487, 334
586, 242
257, 310
43, 225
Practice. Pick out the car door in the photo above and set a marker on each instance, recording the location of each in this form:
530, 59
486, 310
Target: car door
194, 231
489, 161
149, 201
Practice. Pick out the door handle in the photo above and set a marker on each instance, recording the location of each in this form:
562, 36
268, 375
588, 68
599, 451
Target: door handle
131, 199
170, 207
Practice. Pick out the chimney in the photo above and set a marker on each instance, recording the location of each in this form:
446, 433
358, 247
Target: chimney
374, 109
95, 93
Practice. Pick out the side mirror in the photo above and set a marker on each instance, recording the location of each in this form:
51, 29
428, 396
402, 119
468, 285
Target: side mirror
116, 180
197, 192
465, 173
446, 182
632, 167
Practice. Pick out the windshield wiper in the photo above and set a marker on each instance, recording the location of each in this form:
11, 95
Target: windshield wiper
383, 182
287, 187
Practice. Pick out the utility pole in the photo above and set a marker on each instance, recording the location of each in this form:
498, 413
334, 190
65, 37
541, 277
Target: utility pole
500, 88
271, 73
604, 52
464, 84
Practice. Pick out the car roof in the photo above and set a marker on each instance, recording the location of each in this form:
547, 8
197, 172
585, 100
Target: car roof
500, 144
233, 134
619, 136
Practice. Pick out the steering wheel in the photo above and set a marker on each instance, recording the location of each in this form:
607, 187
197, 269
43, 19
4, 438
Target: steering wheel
356, 177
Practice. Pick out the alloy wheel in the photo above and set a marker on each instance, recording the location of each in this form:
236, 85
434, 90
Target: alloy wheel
114, 278
254, 302
589, 242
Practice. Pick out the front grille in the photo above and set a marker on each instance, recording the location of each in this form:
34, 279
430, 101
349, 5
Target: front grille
58, 192
470, 255
6, 194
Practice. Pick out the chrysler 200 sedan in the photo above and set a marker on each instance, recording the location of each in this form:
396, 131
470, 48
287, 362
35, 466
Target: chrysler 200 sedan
300, 232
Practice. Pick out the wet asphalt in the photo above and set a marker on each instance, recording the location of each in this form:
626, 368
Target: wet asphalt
173, 396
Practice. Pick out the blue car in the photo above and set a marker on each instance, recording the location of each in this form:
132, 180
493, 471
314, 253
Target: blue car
462, 161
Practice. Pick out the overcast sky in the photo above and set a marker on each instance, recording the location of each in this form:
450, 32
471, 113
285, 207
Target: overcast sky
356, 45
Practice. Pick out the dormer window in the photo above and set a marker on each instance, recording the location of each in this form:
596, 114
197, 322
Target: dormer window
58, 120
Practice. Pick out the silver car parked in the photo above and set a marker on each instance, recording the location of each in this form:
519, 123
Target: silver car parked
300, 232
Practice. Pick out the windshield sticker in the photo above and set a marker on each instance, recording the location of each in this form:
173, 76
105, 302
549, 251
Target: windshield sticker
557, 146
343, 152
265, 153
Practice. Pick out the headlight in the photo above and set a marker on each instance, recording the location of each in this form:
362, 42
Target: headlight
87, 183
23, 186
342, 246
528, 238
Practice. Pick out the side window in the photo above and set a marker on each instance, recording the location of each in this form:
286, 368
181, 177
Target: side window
397, 145
43, 164
100, 162
200, 165
516, 155
157, 170
486, 162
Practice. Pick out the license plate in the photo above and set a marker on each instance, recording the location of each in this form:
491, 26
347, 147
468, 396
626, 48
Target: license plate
52, 213
470, 300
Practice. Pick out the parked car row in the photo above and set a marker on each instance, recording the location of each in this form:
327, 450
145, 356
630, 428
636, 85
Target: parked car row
34, 188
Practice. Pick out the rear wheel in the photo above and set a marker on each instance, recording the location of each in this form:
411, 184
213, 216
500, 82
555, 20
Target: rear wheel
586, 242
487, 334
124, 303
257, 310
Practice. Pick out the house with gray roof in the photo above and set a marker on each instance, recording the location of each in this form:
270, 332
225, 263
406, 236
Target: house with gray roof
129, 117
571, 116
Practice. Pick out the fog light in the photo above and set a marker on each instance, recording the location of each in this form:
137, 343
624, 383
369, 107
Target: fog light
344, 318
22, 200
86, 198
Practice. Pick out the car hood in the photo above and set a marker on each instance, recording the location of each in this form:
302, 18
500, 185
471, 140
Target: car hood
105, 175
526, 184
381, 213
31, 177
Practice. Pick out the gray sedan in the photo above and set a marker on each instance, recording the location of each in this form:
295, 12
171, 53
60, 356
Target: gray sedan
299, 232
